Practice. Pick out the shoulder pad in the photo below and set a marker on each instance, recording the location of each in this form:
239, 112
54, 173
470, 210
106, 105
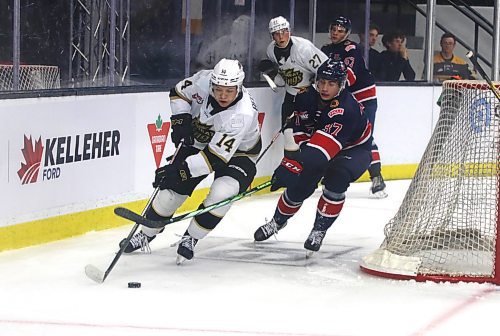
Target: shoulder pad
350, 47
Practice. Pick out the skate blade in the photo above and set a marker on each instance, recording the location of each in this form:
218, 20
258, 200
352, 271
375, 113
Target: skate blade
309, 254
379, 194
94, 273
180, 260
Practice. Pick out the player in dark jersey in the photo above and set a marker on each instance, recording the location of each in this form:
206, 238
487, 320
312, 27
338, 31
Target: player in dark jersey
361, 84
334, 138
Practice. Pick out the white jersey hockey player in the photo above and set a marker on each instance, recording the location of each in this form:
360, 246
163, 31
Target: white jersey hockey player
215, 121
296, 61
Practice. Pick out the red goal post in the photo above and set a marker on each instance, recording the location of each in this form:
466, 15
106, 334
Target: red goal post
446, 228
31, 77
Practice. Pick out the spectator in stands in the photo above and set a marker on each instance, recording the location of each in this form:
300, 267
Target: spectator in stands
394, 61
447, 65
373, 55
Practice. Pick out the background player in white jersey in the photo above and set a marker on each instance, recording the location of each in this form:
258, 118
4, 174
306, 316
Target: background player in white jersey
295, 60
215, 120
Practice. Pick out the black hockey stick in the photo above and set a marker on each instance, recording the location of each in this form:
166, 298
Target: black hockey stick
470, 55
96, 274
155, 224
285, 124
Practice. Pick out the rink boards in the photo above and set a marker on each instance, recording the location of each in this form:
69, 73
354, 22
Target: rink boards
67, 161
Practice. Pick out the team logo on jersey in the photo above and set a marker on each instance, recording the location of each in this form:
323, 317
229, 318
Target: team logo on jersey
202, 132
336, 57
158, 134
334, 103
335, 111
198, 98
291, 76
33, 157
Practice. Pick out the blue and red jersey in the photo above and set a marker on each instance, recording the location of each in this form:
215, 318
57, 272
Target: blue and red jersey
360, 80
330, 126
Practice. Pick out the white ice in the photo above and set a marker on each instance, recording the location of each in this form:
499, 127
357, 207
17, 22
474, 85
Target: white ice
235, 287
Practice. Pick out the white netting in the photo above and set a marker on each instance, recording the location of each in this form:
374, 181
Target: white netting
31, 77
447, 224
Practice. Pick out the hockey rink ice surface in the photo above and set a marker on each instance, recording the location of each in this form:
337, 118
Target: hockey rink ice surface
236, 287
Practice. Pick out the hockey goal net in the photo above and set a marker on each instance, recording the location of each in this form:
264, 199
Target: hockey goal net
31, 77
446, 228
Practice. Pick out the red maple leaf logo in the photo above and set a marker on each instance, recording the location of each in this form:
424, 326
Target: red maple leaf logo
29, 170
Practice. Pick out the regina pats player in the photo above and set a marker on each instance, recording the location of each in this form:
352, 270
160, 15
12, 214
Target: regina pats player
334, 136
215, 120
295, 60
361, 84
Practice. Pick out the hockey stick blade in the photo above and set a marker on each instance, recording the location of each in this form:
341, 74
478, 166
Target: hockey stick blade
155, 224
94, 273
135, 217
271, 83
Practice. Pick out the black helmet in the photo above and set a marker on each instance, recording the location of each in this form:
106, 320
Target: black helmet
342, 21
333, 70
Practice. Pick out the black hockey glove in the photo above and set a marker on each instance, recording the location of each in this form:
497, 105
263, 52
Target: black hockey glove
268, 67
182, 129
168, 176
287, 174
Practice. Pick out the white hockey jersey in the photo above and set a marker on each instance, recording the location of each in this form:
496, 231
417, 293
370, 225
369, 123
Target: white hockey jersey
299, 69
226, 132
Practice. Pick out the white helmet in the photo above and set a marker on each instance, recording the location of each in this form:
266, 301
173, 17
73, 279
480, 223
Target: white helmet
277, 24
228, 72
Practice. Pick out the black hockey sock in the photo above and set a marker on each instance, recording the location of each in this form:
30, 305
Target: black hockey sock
322, 223
375, 170
279, 218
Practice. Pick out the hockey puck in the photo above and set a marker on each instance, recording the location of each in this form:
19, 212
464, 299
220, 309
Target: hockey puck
134, 285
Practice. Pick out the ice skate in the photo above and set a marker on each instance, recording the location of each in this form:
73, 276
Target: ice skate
313, 242
378, 189
185, 251
139, 241
267, 230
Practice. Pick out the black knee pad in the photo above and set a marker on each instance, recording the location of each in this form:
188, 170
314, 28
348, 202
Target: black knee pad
242, 169
338, 180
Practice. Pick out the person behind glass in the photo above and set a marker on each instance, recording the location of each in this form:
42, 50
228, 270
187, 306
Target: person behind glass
293, 62
446, 64
373, 55
233, 45
215, 121
361, 84
334, 136
394, 61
